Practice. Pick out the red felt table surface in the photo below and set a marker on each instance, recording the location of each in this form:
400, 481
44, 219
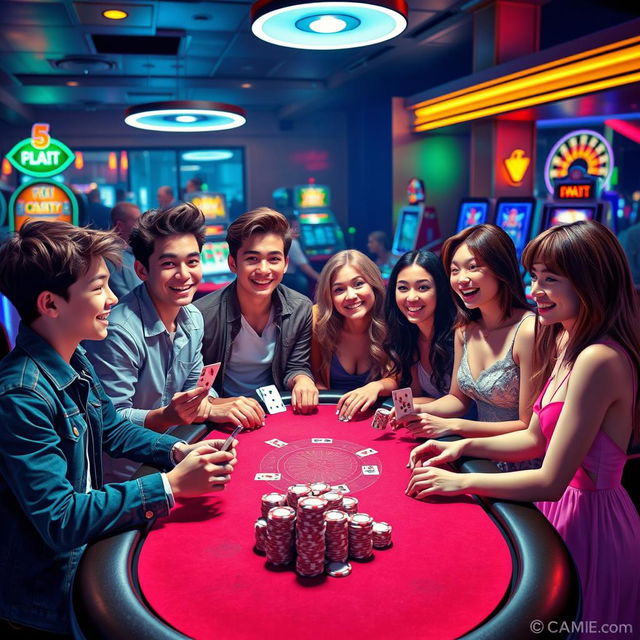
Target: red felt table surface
447, 570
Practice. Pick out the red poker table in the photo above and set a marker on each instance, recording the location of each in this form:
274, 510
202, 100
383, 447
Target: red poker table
459, 567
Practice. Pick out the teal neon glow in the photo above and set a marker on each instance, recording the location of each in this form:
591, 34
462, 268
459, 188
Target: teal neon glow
186, 119
328, 23
291, 26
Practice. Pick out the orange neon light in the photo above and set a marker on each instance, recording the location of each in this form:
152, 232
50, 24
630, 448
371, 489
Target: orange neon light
79, 161
6, 167
604, 67
112, 163
124, 161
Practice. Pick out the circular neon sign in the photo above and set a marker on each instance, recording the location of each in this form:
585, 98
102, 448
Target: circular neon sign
586, 147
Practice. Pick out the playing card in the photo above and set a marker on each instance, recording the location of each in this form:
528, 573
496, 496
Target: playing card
274, 442
366, 452
267, 476
271, 398
370, 470
403, 402
208, 375
340, 487
321, 440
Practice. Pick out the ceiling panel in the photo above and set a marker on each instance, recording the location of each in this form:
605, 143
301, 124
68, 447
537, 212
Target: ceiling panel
202, 16
43, 39
54, 14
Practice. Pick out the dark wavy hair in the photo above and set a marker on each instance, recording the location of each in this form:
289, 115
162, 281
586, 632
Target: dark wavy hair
492, 246
402, 339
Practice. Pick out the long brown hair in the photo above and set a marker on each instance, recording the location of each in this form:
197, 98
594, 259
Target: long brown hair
591, 258
330, 322
492, 246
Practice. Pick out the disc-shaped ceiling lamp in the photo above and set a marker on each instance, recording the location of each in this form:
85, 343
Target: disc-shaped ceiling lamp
184, 116
330, 24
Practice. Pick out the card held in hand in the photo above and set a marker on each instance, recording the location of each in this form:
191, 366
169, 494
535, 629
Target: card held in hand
403, 402
271, 398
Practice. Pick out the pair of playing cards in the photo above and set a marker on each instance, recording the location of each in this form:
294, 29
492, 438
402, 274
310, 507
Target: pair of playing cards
271, 398
208, 375
403, 402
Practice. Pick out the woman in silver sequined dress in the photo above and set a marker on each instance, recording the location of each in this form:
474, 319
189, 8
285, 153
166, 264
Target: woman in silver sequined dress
494, 340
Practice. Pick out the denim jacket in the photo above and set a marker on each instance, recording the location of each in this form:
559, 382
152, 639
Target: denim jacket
54, 421
291, 315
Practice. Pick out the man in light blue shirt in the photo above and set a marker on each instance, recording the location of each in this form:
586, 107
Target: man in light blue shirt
123, 278
150, 362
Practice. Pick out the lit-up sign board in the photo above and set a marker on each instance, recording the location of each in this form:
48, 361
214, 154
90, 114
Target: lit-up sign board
42, 200
40, 156
212, 205
311, 197
584, 148
517, 164
585, 191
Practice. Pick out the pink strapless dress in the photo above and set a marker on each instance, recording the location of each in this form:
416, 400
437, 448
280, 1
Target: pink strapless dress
601, 529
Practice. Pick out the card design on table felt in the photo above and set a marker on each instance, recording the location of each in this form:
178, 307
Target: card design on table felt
271, 398
370, 470
321, 440
208, 375
274, 442
366, 452
403, 402
267, 476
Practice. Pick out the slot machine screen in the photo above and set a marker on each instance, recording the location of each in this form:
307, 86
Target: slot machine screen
472, 212
565, 215
318, 235
515, 219
406, 231
313, 196
214, 258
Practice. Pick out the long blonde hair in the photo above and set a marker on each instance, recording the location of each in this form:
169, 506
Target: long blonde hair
329, 323
591, 258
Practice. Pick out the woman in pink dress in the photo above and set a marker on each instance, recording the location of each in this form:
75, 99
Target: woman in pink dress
586, 368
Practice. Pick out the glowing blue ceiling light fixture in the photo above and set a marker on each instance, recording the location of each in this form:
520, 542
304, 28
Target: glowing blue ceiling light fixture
207, 155
331, 24
185, 116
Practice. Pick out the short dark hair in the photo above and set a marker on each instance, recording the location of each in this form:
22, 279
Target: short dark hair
50, 256
382, 238
258, 222
121, 211
160, 223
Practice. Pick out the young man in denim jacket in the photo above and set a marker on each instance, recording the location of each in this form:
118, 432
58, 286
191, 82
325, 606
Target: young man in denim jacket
55, 420
259, 329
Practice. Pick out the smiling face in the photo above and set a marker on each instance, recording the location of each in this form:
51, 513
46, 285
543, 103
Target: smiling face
259, 266
174, 272
352, 296
555, 297
86, 312
416, 294
472, 280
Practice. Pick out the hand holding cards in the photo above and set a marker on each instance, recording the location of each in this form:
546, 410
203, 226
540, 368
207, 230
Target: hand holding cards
208, 375
403, 402
271, 398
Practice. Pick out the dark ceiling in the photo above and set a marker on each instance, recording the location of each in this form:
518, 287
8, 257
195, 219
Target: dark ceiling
64, 54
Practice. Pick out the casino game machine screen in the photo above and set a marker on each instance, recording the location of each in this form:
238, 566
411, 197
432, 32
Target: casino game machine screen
406, 231
515, 219
565, 215
472, 212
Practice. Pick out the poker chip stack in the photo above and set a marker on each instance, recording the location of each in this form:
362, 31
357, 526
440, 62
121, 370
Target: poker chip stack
381, 535
270, 500
318, 488
334, 499
350, 504
336, 536
261, 534
310, 536
280, 535
360, 536
295, 492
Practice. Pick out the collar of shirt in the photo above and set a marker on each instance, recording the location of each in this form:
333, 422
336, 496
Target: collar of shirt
151, 323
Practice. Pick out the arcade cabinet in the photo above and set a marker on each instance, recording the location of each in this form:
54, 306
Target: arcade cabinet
473, 211
215, 250
320, 233
417, 226
515, 217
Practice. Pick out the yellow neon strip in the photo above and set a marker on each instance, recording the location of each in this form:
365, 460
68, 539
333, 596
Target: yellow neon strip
529, 102
591, 53
618, 62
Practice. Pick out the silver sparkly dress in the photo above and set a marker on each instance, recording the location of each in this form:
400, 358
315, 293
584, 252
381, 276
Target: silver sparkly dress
496, 392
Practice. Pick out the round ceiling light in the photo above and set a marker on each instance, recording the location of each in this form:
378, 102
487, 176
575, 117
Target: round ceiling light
207, 155
331, 24
115, 14
184, 116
